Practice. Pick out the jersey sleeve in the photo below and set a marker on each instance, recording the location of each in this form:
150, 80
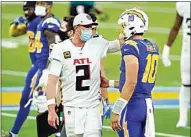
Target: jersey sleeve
51, 24
180, 8
105, 47
56, 60
56, 53
114, 46
128, 49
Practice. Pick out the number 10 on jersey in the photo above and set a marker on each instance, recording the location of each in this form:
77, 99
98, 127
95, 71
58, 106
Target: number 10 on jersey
149, 75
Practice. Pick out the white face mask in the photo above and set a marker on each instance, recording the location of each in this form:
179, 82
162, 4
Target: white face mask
40, 11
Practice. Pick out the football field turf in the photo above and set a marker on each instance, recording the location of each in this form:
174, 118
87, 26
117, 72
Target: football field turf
165, 120
15, 58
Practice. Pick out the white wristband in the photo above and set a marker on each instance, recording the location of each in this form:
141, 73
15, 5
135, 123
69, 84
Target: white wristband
119, 106
111, 83
51, 101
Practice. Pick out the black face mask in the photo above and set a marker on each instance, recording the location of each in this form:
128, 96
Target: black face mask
63, 35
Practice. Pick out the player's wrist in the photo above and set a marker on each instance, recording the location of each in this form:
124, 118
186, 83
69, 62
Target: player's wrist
166, 50
167, 46
51, 108
112, 83
51, 101
119, 105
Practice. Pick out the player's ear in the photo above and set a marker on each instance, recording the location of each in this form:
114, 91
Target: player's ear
49, 8
70, 33
76, 29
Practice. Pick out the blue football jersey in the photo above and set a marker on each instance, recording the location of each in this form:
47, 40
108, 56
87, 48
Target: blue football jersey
31, 32
148, 54
41, 41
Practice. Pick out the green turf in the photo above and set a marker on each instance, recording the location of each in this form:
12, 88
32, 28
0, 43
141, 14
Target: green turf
165, 121
18, 59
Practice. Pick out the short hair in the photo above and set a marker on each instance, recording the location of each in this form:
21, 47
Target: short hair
93, 16
69, 20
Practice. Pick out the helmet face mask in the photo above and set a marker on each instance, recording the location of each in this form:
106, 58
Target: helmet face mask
133, 22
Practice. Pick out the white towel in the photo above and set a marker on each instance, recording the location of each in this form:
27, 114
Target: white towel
150, 124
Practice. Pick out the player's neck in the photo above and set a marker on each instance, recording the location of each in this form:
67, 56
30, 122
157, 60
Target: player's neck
138, 37
47, 15
77, 42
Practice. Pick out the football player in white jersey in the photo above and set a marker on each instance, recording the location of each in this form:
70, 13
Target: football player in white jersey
77, 60
182, 18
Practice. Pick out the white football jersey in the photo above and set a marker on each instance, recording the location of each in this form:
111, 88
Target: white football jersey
81, 71
183, 9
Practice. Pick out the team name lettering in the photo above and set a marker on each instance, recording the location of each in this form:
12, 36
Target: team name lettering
151, 48
81, 61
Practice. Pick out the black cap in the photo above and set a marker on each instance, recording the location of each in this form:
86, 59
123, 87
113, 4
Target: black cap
49, 2
27, 4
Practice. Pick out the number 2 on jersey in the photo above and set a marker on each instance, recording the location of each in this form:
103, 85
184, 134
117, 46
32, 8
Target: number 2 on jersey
151, 69
79, 79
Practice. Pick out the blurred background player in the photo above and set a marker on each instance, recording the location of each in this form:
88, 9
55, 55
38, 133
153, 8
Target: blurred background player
133, 111
77, 7
25, 25
183, 18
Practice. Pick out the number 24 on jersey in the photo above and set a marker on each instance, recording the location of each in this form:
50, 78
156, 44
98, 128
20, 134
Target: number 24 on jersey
34, 44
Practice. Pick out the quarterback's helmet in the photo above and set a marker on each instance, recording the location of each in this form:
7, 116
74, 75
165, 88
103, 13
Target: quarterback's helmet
133, 21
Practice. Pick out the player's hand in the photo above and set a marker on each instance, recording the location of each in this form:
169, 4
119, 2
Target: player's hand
104, 82
19, 20
106, 109
115, 122
165, 56
122, 36
53, 119
40, 101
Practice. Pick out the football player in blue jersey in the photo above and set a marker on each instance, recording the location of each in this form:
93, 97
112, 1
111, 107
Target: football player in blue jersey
47, 30
133, 111
20, 26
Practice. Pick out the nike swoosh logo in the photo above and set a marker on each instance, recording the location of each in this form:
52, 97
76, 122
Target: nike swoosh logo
126, 49
50, 26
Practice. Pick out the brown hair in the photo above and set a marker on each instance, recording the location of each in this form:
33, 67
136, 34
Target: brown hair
69, 20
